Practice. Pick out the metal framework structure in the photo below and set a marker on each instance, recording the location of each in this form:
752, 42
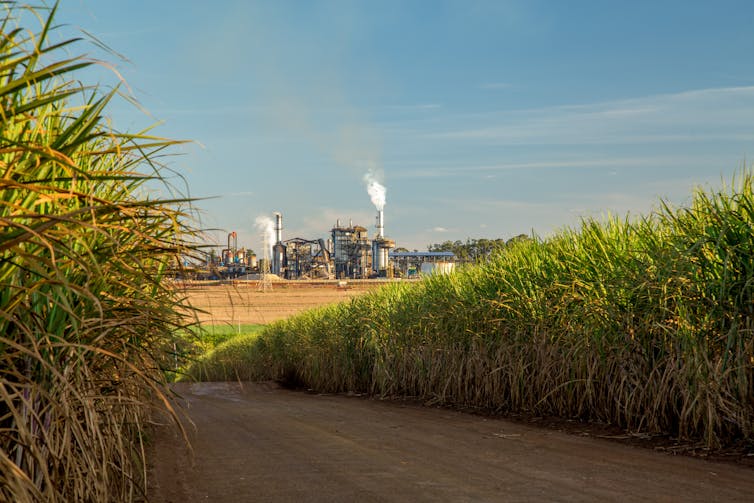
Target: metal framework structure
351, 251
307, 259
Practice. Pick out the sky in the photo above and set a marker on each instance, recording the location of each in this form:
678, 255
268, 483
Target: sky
483, 119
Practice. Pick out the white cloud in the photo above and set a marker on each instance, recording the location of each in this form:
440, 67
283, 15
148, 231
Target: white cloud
583, 162
708, 114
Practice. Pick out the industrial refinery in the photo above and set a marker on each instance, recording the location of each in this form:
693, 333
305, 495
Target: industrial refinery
348, 253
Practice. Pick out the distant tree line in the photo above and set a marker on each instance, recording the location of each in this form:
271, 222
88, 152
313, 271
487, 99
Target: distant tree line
475, 250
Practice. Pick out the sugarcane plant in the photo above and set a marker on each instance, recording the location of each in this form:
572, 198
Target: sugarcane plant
90, 228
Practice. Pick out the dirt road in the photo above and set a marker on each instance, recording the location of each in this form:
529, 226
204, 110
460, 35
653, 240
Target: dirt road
257, 442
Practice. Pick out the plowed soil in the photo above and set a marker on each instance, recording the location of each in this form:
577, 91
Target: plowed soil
248, 302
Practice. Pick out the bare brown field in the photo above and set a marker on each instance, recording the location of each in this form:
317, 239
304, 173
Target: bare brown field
245, 302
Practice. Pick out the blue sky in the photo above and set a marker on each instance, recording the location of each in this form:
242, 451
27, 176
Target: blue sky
486, 119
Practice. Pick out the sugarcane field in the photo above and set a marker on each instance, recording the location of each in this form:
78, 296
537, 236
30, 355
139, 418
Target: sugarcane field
398, 251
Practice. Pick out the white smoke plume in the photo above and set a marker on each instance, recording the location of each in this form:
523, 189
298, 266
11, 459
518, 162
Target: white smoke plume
377, 191
266, 228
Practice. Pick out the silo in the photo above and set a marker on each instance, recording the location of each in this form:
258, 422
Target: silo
381, 256
376, 256
278, 259
444, 267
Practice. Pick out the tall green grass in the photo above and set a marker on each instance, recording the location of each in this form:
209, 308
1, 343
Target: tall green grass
209, 336
645, 324
198, 341
86, 311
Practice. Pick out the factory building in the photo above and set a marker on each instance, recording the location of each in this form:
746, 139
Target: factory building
351, 249
307, 259
349, 254
356, 256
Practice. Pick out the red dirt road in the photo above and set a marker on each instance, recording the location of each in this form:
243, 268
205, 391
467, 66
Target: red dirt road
257, 442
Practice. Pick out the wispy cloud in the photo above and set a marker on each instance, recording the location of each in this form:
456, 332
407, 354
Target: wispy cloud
584, 162
723, 114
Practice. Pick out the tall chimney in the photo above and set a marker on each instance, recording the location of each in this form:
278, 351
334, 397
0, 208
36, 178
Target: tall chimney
278, 228
380, 224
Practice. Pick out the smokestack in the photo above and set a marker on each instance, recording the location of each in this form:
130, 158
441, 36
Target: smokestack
380, 224
278, 228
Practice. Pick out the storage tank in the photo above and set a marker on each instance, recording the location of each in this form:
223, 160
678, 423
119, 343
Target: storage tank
377, 262
444, 267
380, 256
437, 268
278, 259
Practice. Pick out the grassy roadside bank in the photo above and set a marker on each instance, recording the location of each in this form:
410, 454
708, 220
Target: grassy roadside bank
202, 342
643, 324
